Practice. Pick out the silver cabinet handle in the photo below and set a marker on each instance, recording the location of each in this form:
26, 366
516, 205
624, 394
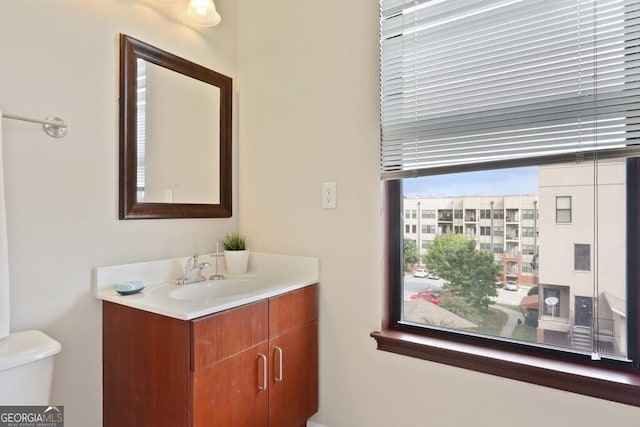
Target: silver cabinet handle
263, 387
279, 377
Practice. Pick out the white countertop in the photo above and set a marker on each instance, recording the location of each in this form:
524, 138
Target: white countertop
269, 275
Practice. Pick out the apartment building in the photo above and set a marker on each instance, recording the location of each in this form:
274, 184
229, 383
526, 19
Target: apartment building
582, 300
507, 226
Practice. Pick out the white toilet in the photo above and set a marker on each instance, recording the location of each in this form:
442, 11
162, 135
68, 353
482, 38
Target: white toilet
26, 368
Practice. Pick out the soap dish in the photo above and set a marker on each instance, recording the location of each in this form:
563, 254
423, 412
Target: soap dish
129, 288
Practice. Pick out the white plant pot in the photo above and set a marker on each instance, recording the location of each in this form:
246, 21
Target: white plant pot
237, 261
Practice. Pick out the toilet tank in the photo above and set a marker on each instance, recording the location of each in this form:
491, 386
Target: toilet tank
26, 368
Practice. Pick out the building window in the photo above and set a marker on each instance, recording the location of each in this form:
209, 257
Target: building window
457, 214
428, 214
414, 214
498, 214
485, 247
528, 250
407, 214
582, 257
407, 229
528, 232
431, 229
414, 229
528, 214
485, 230
498, 230
498, 248
563, 209
485, 213
473, 115
458, 229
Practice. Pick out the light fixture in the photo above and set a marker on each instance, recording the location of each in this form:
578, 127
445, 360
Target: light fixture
203, 13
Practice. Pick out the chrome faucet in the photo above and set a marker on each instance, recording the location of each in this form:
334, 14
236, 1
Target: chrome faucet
217, 255
193, 271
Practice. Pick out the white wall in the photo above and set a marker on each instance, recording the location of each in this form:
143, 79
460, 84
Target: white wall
61, 58
308, 84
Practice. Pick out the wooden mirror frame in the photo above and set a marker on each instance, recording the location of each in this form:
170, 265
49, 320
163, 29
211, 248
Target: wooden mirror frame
130, 50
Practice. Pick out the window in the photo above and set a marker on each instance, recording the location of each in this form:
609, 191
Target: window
582, 257
457, 214
528, 214
431, 229
485, 247
563, 209
485, 231
498, 230
498, 214
458, 229
428, 214
504, 89
413, 214
485, 213
528, 250
407, 214
413, 229
498, 248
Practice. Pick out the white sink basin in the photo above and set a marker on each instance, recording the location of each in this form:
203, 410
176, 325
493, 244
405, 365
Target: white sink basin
216, 289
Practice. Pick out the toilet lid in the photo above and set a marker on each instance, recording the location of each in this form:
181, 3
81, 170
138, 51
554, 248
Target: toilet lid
24, 347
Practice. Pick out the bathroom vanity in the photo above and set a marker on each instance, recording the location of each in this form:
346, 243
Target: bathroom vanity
251, 361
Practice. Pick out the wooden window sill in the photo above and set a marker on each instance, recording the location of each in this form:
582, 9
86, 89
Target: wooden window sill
621, 386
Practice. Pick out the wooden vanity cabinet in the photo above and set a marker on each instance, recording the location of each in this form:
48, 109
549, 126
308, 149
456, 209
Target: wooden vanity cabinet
254, 365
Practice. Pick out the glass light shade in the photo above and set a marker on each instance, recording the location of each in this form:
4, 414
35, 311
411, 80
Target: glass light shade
203, 13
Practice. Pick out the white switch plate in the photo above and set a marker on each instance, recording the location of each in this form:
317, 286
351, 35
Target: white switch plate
329, 195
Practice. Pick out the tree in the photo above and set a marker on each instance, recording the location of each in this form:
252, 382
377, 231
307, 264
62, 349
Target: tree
470, 273
410, 251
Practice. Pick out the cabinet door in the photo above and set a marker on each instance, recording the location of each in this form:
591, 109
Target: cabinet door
233, 392
293, 393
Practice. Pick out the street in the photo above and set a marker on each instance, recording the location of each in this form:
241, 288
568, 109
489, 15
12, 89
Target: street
414, 285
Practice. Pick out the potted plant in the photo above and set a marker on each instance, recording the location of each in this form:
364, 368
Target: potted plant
236, 254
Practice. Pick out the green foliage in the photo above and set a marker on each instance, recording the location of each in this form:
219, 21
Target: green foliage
234, 242
410, 251
470, 273
460, 306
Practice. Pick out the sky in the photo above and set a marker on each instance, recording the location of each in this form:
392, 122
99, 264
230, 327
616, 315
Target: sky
483, 183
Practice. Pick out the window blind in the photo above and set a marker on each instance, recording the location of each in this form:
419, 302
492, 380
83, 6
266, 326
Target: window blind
467, 83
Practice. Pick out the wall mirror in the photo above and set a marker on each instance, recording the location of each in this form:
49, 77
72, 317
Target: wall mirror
175, 136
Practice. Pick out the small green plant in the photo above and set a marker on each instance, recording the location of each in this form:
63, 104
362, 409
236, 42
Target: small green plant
234, 242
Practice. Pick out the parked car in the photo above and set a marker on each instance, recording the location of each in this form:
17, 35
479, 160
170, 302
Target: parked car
433, 275
430, 296
511, 285
420, 272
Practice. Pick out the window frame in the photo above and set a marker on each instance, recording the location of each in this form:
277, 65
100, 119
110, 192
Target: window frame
580, 259
611, 380
570, 210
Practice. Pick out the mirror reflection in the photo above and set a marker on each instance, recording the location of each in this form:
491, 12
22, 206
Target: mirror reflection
175, 136
174, 108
